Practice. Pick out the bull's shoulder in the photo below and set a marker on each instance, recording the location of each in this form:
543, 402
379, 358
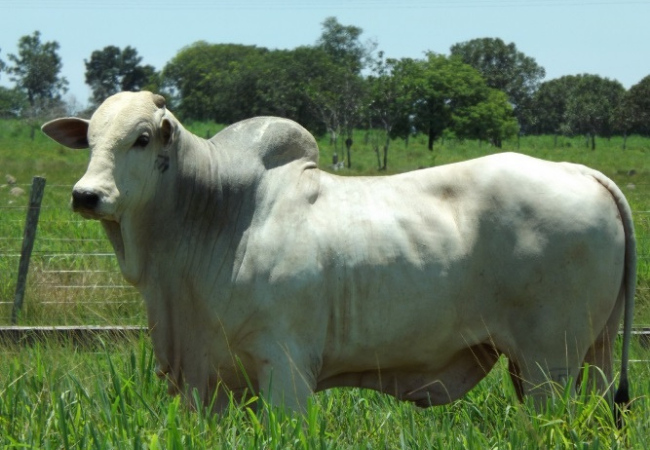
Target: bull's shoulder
274, 140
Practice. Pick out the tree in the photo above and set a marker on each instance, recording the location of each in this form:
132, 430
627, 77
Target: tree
491, 120
112, 70
504, 68
12, 102
579, 104
36, 70
282, 85
214, 81
389, 100
591, 106
636, 107
337, 95
440, 87
342, 43
625, 117
549, 106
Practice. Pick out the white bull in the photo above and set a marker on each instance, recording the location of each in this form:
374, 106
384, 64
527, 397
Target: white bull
250, 259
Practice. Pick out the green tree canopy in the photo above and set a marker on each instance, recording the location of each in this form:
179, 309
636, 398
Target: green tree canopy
591, 106
112, 70
490, 120
342, 43
337, 94
578, 104
214, 81
3, 65
35, 71
12, 102
637, 106
389, 103
440, 87
549, 105
504, 68
282, 85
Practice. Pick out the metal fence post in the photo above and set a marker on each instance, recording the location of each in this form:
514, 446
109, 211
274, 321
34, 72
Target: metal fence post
31, 223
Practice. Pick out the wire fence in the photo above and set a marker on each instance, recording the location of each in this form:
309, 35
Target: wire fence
74, 277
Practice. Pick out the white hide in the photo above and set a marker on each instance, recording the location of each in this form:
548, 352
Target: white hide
251, 258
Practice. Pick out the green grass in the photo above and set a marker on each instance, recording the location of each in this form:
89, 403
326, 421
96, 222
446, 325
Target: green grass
53, 395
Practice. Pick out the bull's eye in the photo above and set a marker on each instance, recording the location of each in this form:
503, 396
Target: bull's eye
142, 141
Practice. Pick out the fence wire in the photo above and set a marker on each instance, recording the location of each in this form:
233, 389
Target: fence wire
74, 278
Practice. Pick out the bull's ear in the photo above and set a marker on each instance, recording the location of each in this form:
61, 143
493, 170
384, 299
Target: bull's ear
167, 132
70, 132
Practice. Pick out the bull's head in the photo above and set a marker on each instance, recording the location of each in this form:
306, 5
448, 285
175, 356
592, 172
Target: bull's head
126, 136
129, 138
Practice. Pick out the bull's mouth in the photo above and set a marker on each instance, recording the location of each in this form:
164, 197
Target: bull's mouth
90, 210
89, 214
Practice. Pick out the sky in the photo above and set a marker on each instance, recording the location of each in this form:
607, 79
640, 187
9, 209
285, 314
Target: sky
610, 38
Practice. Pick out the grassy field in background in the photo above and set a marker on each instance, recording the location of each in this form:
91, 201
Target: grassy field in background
55, 395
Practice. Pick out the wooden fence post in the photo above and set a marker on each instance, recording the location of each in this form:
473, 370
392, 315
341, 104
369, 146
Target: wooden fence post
31, 223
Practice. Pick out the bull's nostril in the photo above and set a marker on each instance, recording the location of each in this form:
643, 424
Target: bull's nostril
84, 200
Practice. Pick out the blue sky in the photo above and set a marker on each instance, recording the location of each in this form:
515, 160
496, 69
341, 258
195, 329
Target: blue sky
566, 37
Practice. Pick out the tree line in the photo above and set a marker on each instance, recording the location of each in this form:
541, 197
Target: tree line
484, 89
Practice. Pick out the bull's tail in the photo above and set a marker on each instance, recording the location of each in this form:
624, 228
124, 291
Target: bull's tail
622, 396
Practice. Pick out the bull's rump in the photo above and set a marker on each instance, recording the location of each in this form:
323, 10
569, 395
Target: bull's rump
504, 249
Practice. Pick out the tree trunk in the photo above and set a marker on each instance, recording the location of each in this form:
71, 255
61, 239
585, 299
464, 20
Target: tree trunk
385, 156
334, 138
593, 141
378, 157
431, 139
348, 145
386, 144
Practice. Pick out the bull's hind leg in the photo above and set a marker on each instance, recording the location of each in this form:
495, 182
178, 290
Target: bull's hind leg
599, 357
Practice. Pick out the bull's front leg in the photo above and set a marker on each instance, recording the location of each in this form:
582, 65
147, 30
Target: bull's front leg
286, 377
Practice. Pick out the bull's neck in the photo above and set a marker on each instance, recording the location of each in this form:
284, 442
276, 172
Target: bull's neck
194, 209
197, 184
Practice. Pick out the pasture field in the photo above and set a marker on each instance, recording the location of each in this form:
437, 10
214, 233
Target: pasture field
56, 395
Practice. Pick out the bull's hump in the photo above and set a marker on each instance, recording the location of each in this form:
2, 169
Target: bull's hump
276, 141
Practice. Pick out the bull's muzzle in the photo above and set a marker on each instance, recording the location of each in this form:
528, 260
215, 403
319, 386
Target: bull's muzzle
84, 200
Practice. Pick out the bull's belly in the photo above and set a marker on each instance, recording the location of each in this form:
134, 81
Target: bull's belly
447, 378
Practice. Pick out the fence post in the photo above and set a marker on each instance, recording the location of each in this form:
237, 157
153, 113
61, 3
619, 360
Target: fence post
31, 223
